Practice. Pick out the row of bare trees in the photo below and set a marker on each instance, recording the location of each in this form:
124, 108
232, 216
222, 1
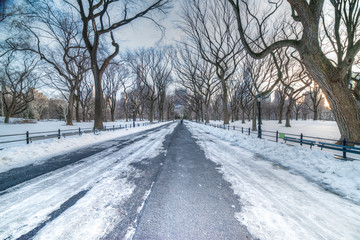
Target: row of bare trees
284, 45
77, 48
325, 35
289, 45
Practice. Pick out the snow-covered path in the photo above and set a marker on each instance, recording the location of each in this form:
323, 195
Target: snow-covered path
278, 204
81, 200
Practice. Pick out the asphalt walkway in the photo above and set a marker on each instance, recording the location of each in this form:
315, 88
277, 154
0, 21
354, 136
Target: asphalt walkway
190, 199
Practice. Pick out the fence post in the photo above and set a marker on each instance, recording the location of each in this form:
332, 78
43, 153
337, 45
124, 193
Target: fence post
301, 138
228, 127
233, 127
59, 135
249, 131
113, 127
277, 136
27, 137
242, 129
79, 131
105, 128
344, 149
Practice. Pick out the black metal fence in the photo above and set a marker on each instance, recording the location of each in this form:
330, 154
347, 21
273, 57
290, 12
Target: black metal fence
347, 149
29, 137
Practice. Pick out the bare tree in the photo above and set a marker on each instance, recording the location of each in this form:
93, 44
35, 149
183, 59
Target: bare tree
161, 75
152, 68
316, 97
186, 66
296, 80
141, 62
65, 55
298, 106
99, 20
198, 76
170, 107
323, 35
86, 98
209, 26
39, 104
127, 85
281, 97
243, 95
114, 76
262, 77
18, 80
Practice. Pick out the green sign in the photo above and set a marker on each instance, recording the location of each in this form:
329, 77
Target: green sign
281, 135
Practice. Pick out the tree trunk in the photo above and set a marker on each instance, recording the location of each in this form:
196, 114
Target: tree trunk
207, 112
151, 113
7, 117
98, 118
254, 116
281, 111
77, 108
84, 114
343, 105
232, 115
70, 113
225, 97
112, 110
243, 117
345, 109
288, 115
10, 111
125, 111
297, 115
315, 114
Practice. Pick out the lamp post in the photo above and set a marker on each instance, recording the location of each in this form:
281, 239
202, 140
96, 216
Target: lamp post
259, 115
134, 117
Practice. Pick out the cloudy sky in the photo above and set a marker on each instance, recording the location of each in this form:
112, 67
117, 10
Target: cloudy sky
144, 33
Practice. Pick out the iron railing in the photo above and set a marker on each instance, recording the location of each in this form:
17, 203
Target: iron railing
29, 137
349, 149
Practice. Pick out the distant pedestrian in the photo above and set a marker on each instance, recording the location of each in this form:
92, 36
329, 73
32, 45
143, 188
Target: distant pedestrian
181, 121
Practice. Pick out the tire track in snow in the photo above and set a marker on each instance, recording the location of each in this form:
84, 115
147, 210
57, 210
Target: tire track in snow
27, 206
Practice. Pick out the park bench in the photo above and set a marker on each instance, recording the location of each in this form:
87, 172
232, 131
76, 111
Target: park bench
342, 148
301, 141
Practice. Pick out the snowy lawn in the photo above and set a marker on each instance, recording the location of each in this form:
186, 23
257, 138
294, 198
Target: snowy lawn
20, 129
286, 192
37, 151
322, 129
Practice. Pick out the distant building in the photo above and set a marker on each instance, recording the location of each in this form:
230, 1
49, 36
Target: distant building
139, 75
275, 98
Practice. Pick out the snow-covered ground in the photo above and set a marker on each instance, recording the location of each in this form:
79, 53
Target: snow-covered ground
51, 125
24, 154
99, 182
286, 192
322, 129
41, 127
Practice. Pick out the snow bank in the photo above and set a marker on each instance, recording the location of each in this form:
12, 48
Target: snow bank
38, 151
339, 176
